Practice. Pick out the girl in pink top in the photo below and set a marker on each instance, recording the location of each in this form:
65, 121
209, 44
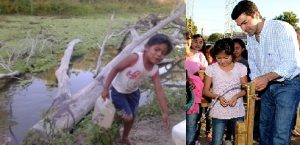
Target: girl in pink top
225, 75
194, 62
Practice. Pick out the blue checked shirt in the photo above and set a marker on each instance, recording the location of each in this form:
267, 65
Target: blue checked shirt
277, 51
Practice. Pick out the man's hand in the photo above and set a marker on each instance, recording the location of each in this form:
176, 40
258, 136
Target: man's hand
261, 82
166, 120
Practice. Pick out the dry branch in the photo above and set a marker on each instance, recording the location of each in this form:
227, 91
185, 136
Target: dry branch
108, 36
9, 75
62, 72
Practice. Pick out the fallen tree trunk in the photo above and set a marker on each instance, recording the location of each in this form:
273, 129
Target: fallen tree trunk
69, 112
10, 75
62, 76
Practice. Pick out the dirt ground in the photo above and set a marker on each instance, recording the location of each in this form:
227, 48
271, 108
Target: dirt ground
152, 131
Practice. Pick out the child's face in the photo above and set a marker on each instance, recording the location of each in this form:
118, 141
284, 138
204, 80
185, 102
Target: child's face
238, 50
223, 59
194, 45
156, 53
197, 43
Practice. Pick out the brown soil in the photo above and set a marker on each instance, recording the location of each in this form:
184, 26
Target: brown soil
152, 131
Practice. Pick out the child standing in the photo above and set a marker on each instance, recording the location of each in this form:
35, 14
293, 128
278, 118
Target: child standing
206, 100
194, 62
223, 76
127, 76
240, 54
240, 51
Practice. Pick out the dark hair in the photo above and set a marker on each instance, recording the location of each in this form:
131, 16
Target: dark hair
224, 45
160, 39
200, 36
243, 45
239, 41
244, 6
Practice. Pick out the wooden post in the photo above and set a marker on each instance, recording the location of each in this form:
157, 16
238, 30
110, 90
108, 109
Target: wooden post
250, 112
240, 133
298, 118
244, 130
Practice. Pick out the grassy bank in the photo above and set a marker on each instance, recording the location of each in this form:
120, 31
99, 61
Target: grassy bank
35, 43
47, 38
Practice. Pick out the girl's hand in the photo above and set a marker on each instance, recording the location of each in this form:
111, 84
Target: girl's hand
166, 120
232, 102
223, 101
105, 94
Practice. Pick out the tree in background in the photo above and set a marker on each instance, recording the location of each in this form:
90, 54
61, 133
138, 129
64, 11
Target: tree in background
191, 27
289, 17
215, 37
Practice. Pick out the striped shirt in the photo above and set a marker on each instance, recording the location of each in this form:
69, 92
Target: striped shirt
277, 51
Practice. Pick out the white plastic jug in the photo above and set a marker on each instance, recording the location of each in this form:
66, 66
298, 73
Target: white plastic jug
179, 133
104, 113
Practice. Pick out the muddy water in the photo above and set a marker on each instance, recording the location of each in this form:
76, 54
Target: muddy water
22, 106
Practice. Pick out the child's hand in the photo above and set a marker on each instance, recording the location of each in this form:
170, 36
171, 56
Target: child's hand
232, 102
104, 94
187, 44
166, 120
223, 101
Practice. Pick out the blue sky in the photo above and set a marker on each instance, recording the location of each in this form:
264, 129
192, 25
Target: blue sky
210, 14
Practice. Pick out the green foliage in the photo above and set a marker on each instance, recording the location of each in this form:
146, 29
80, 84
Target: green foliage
42, 63
289, 17
89, 134
191, 27
49, 37
81, 7
25, 82
215, 37
176, 101
21, 66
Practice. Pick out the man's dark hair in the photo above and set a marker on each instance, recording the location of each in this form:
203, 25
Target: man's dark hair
244, 6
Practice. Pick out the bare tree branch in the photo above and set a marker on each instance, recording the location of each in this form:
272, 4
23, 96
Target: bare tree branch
134, 34
108, 36
62, 72
9, 75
